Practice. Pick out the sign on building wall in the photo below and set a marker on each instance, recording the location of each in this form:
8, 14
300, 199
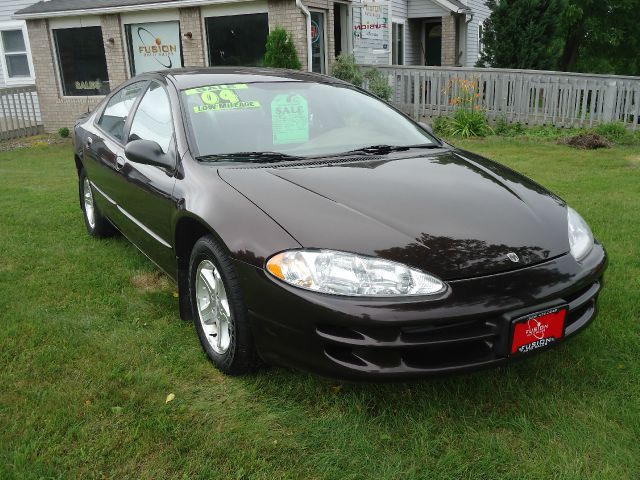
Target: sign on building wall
371, 30
155, 46
374, 22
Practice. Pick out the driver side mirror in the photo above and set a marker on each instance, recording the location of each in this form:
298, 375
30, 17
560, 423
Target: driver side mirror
148, 152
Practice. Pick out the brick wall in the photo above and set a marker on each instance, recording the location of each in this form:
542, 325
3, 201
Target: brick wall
192, 48
285, 14
56, 111
448, 53
114, 52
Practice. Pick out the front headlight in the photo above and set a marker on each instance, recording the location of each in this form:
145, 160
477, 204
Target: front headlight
343, 273
580, 236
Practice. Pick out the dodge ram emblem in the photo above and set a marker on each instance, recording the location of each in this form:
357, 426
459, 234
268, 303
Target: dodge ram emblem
513, 257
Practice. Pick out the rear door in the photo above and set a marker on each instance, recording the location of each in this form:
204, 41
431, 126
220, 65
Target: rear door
144, 193
104, 150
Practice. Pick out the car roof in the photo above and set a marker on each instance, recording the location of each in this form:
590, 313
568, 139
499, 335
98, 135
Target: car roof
185, 78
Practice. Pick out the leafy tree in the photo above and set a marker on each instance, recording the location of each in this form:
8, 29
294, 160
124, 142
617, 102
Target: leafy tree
601, 36
522, 34
280, 51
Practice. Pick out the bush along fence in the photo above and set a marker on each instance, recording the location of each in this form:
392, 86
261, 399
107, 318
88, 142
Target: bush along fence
525, 96
19, 112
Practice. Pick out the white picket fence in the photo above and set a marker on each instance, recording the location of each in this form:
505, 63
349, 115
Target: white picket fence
525, 96
19, 112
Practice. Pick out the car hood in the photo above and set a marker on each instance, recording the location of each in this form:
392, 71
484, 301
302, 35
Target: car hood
450, 213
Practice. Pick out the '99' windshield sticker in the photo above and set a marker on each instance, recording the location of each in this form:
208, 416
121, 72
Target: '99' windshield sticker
289, 119
221, 97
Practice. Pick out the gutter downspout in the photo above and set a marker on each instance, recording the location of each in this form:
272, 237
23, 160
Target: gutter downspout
463, 52
307, 14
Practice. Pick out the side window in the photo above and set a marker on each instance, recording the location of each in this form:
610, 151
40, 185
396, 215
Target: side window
117, 110
152, 120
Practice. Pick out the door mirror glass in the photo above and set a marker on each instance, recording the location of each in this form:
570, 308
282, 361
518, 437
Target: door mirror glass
148, 152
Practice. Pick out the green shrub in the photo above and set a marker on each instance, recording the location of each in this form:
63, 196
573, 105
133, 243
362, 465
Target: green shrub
469, 123
378, 84
441, 125
63, 132
506, 129
280, 51
345, 68
614, 131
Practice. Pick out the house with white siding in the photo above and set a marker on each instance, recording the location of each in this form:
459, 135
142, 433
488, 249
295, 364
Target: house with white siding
437, 32
16, 66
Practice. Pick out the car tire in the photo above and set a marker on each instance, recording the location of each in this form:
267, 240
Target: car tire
97, 224
219, 312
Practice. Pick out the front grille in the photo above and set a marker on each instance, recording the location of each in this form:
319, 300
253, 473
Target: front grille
440, 345
437, 345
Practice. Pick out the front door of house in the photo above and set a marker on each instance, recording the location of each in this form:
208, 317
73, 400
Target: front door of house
318, 51
432, 43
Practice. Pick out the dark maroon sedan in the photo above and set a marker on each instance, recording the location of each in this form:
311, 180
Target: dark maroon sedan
308, 223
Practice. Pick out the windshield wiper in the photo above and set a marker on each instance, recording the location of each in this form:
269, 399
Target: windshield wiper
253, 157
385, 149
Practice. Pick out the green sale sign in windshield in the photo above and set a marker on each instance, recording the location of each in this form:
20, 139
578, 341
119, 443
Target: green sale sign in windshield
289, 119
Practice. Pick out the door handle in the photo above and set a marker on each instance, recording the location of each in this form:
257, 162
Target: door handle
89, 142
120, 161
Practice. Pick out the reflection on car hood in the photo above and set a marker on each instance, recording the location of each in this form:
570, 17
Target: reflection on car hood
455, 215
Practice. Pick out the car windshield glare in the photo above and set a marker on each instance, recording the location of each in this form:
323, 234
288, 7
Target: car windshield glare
295, 119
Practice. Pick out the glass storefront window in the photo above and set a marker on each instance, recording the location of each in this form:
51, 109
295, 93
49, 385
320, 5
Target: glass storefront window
237, 40
318, 63
153, 46
81, 61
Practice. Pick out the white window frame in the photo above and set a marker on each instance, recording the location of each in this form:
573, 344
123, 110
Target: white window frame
16, 25
399, 21
479, 35
225, 10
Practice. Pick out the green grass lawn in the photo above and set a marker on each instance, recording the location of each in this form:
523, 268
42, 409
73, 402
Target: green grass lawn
91, 345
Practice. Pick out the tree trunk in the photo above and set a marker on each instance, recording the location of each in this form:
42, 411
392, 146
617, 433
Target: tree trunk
569, 58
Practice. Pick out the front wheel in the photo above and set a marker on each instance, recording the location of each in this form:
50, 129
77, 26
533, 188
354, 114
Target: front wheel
97, 225
218, 308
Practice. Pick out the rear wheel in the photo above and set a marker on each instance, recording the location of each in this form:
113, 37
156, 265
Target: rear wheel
219, 311
97, 225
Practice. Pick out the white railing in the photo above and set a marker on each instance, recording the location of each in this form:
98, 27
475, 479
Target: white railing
526, 96
19, 112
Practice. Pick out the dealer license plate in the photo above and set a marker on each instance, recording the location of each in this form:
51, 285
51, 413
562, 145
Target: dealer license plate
538, 330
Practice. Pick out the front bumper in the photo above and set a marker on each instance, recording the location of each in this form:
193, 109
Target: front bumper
469, 328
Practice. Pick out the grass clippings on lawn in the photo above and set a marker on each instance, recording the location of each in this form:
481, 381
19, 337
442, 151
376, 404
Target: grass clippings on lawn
92, 347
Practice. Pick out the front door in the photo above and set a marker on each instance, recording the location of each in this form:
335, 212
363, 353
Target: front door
145, 192
433, 43
341, 28
318, 51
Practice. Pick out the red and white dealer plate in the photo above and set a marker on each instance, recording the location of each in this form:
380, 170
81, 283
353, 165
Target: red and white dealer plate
538, 330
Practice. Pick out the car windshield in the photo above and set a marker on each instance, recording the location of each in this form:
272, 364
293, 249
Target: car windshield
283, 120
